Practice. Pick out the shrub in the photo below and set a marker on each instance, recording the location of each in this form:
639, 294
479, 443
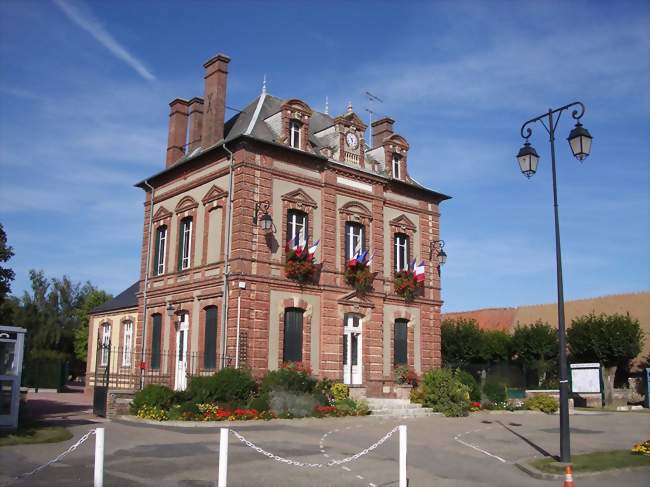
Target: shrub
473, 386
291, 378
350, 407
339, 391
260, 403
324, 388
542, 402
184, 411
442, 391
152, 396
495, 390
232, 386
152, 412
287, 404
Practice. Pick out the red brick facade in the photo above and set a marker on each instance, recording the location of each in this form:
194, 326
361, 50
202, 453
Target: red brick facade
331, 191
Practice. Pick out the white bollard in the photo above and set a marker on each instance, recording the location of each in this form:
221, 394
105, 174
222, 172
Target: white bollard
223, 458
402, 455
99, 457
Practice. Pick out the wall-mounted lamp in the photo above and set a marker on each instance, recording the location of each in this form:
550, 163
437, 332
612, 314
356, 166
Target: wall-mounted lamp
265, 220
171, 310
437, 250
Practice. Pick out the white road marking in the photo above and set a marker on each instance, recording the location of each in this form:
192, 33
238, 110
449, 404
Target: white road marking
457, 438
359, 477
347, 469
370, 484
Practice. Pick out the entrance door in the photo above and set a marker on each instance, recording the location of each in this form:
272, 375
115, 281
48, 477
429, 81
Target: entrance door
181, 353
352, 350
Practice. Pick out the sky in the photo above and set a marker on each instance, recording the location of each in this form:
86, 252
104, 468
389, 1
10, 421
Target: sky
85, 87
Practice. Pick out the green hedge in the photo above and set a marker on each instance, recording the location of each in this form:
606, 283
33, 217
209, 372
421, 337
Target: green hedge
228, 386
45, 373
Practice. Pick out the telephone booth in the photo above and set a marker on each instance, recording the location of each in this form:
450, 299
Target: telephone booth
12, 342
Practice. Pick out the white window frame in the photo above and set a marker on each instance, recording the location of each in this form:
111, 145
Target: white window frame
106, 339
127, 343
350, 240
297, 227
186, 241
401, 243
162, 243
294, 134
396, 168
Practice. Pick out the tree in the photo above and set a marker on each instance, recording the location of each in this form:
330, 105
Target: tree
612, 340
461, 342
536, 347
495, 347
93, 298
6, 275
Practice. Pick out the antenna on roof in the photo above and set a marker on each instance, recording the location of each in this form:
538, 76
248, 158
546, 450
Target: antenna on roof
371, 98
327, 105
264, 85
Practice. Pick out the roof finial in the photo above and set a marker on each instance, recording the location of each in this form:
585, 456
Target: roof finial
327, 105
350, 107
264, 85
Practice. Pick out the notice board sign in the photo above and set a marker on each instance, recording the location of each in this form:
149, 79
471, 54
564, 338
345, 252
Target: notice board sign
585, 378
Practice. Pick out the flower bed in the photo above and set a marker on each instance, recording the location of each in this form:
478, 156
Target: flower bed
233, 395
300, 265
406, 285
357, 274
642, 448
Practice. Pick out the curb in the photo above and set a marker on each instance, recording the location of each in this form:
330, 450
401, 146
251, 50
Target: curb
525, 467
223, 424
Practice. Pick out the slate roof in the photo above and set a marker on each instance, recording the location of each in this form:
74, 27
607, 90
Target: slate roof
126, 299
252, 122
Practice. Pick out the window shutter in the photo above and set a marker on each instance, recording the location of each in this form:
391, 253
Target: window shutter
400, 342
292, 351
347, 239
157, 251
210, 338
155, 341
362, 230
396, 252
181, 236
289, 218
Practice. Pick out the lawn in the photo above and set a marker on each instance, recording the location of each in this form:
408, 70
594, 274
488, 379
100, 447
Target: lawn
34, 433
594, 462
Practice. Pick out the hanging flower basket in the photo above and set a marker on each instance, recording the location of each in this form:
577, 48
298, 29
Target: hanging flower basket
357, 274
406, 285
300, 265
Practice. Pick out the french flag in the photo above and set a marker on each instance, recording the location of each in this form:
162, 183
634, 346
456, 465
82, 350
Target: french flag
362, 257
419, 272
370, 259
314, 247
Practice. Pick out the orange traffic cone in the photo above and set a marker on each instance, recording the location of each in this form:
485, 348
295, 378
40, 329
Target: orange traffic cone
568, 476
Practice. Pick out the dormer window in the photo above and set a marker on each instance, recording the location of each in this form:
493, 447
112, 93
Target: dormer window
396, 165
294, 134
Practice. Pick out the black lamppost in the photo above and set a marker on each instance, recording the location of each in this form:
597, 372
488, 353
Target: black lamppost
580, 143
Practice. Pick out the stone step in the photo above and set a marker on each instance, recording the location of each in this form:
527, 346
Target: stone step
401, 412
380, 403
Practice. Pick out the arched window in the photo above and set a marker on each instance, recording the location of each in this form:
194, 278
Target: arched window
156, 336
355, 240
294, 134
106, 343
292, 347
210, 338
400, 342
185, 243
161, 244
127, 343
401, 251
297, 227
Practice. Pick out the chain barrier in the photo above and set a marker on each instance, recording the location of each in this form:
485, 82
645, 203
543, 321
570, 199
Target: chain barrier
54, 460
333, 463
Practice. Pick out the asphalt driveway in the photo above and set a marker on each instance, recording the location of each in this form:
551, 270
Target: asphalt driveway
477, 451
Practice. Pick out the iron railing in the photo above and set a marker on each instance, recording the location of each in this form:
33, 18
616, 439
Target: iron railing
128, 369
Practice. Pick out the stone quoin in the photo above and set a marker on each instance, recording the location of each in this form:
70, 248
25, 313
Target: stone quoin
319, 179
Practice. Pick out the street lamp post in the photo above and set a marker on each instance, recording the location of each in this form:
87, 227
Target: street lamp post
580, 143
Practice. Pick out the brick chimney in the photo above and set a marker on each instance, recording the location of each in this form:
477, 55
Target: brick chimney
216, 75
381, 129
196, 124
177, 130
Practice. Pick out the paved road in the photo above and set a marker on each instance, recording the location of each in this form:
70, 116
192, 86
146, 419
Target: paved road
465, 452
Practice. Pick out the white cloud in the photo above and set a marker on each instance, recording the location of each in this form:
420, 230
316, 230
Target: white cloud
84, 18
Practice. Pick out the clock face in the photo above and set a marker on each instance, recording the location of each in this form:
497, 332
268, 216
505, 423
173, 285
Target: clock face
352, 140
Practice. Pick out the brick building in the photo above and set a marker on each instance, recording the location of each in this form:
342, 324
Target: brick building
276, 171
